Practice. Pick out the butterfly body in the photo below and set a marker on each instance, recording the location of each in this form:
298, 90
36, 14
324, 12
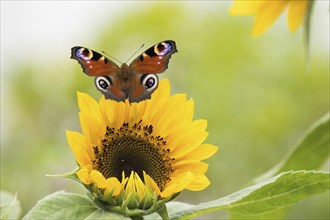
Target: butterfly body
135, 82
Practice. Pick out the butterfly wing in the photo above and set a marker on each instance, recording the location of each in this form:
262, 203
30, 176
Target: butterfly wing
155, 59
142, 86
104, 70
93, 63
146, 67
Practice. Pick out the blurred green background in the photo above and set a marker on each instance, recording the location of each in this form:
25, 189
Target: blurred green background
258, 95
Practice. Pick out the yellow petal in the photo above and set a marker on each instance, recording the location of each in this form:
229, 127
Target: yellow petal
113, 112
199, 124
107, 111
177, 184
189, 110
296, 13
167, 111
187, 139
141, 188
90, 107
151, 184
77, 142
132, 112
83, 175
186, 142
244, 7
98, 179
193, 166
163, 90
176, 120
119, 117
141, 109
202, 152
92, 130
87, 104
130, 189
160, 95
113, 185
199, 182
128, 109
267, 15
74, 140
82, 158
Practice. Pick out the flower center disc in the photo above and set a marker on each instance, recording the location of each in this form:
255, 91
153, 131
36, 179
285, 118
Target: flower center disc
135, 149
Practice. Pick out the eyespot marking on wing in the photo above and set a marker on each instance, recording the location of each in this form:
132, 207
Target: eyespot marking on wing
84, 53
163, 48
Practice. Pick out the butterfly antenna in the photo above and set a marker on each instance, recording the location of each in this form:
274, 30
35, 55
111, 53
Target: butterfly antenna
112, 57
135, 53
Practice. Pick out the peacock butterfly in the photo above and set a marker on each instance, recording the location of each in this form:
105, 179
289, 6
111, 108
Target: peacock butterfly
135, 82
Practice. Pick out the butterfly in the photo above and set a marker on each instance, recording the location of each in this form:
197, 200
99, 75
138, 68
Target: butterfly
136, 81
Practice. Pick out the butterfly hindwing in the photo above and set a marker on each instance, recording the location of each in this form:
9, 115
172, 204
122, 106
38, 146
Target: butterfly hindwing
142, 86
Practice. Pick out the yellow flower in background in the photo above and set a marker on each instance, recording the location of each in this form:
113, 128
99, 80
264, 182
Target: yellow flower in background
140, 151
267, 11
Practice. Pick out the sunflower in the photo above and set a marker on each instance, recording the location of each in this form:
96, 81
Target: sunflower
139, 153
267, 11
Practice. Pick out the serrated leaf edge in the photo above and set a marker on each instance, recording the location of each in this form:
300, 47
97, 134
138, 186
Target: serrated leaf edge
62, 192
227, 202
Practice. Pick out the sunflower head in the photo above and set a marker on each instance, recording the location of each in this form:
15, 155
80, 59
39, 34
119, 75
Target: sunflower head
137, 156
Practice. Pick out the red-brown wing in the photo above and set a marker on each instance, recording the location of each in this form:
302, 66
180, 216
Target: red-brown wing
93, 63
138, 92
111, 88
155, 59
142, 86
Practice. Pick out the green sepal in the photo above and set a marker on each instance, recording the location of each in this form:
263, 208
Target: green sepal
130, 206
162, 212
130, 202
108, 198
147, 201
71, 175
119, 199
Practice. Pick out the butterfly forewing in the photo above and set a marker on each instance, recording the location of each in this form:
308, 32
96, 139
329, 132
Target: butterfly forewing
155, 59
93, 63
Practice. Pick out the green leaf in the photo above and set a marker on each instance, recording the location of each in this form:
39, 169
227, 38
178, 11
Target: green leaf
309, 153
268, 199
9, 206
273, 200
63, 205
102, 214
